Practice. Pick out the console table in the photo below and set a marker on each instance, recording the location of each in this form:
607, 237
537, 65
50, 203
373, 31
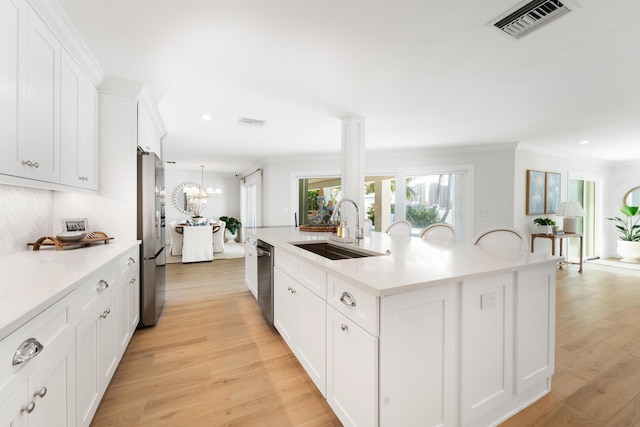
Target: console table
559, 237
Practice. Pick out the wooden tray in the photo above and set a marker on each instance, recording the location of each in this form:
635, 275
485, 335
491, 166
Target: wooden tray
318, 228
93, 238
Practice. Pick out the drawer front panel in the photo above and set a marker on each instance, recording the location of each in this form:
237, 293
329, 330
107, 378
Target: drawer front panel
129, 263
312, 277
358, 305
48, 328
94, 289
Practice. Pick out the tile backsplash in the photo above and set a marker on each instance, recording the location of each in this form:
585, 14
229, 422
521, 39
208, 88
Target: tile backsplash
26, 214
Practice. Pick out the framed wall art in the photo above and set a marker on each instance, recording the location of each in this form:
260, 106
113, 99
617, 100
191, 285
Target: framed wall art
552, 192
535, 192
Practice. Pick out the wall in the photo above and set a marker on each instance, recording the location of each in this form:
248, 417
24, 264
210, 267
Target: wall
25, 216
227, 203
492, 179
568, 166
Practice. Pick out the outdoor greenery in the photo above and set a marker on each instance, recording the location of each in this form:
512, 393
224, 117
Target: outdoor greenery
420, 216
629, 229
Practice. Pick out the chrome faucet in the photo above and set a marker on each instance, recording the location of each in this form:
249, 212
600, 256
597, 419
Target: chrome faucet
336, 215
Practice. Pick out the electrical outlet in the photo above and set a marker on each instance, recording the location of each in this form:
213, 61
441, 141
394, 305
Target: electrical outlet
487, 300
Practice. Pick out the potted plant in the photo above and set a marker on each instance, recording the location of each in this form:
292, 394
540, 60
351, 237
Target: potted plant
546, 224
231, 227
629, 241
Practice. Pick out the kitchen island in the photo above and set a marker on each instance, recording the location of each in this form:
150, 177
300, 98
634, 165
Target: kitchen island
418, 333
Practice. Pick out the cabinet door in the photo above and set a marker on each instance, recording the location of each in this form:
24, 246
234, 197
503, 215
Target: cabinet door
79, 142
52, 388
133, 285
352, 371
96, 351
419, 358
38, 149
251, 265
13, 22
486, 365
12, 410
311, 337
285, 307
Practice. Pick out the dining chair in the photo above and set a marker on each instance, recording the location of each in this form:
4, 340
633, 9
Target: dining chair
503, 238
218, 238
198, 243
176, 240
439, 232
399, 228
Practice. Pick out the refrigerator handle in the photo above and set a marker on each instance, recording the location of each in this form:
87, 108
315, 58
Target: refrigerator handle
153, 257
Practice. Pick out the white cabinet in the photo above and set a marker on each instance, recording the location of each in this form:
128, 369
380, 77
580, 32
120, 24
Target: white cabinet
486, 365
148, 138
97, 348
299, 316
31, 111
78, 130
251, 264
352, 371
419, 358
128, 299
46, 397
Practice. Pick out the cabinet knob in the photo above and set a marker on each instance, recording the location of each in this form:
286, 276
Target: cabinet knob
29, 349
132, 281
40, 393
31, 164
102, 285
105, 313
344, 327
347, 299
29, 408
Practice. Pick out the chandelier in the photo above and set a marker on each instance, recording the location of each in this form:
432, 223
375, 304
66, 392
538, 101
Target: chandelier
197, 197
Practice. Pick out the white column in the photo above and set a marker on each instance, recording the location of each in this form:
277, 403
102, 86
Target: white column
352, 167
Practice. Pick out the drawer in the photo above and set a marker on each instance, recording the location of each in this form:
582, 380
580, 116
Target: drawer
307, 274
49, 328
128, 264
354, 302
94, 289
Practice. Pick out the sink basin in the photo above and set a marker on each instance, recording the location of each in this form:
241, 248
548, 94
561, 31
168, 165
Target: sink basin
334, 252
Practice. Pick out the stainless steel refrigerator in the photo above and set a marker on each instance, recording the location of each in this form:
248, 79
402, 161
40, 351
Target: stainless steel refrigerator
151, 228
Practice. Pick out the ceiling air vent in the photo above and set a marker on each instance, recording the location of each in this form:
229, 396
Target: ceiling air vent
531, 16
252, 123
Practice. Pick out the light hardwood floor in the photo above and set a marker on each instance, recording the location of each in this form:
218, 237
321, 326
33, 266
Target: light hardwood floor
213, 361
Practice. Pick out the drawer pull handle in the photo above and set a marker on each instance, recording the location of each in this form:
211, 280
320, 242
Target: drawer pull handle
102, 285
29, 408
347, 299
344, 327
27, 351
131, 261
31, 164
41, 393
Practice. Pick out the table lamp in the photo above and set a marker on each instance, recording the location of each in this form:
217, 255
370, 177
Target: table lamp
570, 211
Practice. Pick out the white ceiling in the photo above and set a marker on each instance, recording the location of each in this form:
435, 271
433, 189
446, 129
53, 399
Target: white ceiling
423, 73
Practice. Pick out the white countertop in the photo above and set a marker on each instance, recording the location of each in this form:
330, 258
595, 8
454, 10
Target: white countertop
412, 263
34, 280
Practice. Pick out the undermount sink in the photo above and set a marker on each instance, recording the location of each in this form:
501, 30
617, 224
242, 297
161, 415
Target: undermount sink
335, 252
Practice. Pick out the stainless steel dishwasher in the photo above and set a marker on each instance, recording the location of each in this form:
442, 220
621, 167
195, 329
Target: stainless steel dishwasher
265, 279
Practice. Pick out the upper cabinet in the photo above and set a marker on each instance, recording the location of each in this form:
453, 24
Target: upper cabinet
48, 111
31, 68
78, 118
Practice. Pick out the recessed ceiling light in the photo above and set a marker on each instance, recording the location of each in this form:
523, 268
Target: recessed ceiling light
583, 142
206, 117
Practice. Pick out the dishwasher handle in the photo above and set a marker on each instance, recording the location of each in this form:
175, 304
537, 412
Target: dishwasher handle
262, 252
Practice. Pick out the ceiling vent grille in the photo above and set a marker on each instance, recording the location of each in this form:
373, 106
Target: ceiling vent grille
252, 123
530, 17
